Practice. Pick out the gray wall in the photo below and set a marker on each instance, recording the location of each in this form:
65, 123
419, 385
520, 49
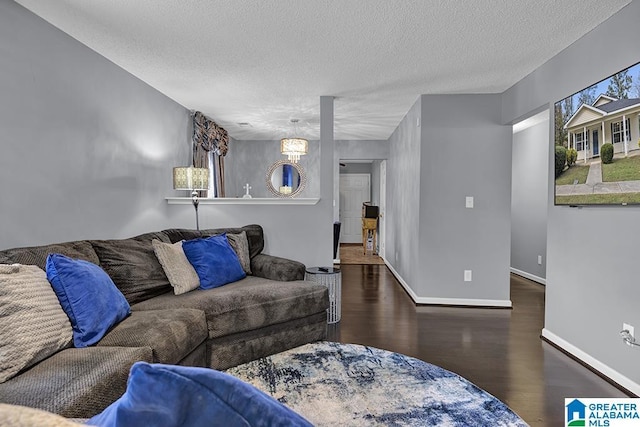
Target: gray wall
592, 275
87, 149
249, 161
529, 194
465, 151
347, 149
100, 145
303, 233
403, 198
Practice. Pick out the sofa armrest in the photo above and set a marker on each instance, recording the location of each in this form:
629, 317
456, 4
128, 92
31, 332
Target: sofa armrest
276, 268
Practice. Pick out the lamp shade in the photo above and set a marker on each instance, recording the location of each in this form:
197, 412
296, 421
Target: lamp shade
190, 178
293, 148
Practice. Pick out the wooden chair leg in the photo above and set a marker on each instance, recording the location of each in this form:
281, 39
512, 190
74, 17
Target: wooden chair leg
364, 241
375, 239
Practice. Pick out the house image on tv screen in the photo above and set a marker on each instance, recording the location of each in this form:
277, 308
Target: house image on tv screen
607, 120
597, 143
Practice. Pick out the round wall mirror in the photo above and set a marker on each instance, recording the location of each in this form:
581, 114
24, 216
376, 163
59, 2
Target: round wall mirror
286, 179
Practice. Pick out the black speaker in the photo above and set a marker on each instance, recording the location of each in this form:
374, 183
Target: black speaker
336, 238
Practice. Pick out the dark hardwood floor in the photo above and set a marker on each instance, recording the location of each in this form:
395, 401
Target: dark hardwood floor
499, 350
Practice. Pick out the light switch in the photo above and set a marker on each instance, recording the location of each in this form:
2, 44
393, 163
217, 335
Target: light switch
469, 202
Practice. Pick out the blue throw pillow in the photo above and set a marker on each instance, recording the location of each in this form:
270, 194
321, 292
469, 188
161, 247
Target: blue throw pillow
167, 395
214, 260
88, 296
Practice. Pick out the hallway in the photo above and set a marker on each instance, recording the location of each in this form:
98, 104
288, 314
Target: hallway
354, 254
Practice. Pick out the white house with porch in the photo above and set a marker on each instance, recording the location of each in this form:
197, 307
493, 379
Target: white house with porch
606, 120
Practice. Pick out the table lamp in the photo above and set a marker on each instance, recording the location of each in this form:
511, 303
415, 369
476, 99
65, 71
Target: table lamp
192, 179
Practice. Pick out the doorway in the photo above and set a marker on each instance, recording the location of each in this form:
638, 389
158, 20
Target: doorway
355, 189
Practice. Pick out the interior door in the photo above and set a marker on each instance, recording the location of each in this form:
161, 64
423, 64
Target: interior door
383, 204
355, 189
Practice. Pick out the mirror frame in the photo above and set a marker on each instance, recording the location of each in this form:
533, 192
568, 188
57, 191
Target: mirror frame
279, 164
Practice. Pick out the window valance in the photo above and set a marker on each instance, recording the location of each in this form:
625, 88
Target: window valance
210, 141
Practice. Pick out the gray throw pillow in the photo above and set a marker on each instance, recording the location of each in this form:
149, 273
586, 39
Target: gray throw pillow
240, 245
176, 266
22, 416
33, 325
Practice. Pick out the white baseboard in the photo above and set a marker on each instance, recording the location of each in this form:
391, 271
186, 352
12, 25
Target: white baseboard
593, 362
529, 276
446, 301
399, 278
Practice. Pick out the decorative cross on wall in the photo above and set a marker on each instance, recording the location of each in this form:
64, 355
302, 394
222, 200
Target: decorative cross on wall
247, 187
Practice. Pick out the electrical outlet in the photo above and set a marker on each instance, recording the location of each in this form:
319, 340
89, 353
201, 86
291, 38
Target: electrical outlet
539, 259
467, 275
627, 327
468, 202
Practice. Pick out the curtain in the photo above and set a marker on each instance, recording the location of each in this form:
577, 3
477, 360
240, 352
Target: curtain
208, 137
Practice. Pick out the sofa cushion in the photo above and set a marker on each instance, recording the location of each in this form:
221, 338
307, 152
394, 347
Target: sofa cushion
148, 237
255, 235
176, 266
33, 325
240, 246
88, 296
76, 382
189, 396
232, 350
37, 255
277, 268
214, 260
198, 357
133, 266
171, 334
22, 416
248, 304
178, 234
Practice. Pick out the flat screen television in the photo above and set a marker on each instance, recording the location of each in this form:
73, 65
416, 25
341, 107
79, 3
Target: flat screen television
597, 143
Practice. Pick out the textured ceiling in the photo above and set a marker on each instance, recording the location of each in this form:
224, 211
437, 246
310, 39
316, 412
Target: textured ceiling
267, 61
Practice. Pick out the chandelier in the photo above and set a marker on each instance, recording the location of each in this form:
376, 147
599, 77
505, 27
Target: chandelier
293, 148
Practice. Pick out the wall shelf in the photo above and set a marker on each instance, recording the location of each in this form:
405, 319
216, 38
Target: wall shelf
241, 201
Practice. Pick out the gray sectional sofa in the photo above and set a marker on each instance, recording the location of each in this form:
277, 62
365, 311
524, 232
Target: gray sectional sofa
267, 312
